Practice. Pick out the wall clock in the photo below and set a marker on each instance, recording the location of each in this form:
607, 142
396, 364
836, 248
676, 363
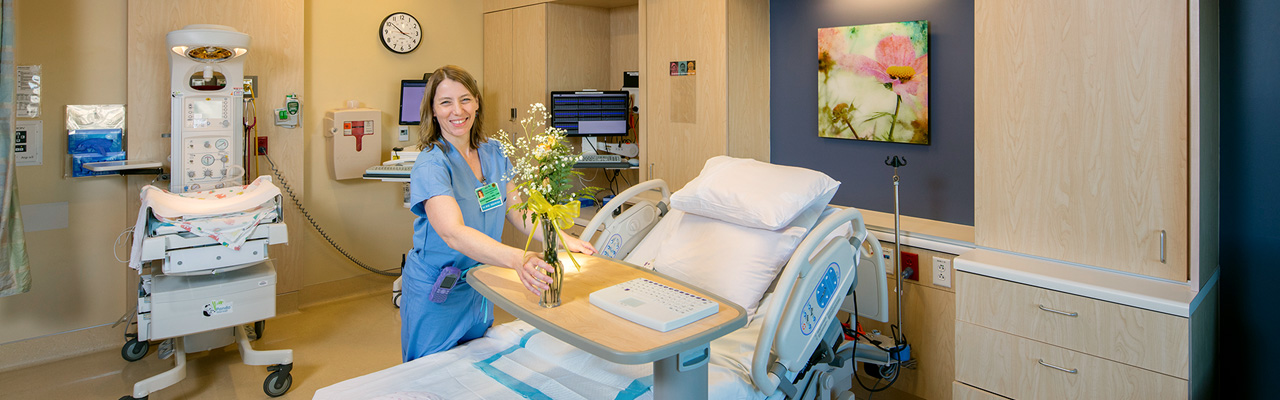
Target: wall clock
400, 32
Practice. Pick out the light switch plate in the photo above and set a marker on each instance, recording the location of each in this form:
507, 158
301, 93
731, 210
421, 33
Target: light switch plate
942, 271
404, 133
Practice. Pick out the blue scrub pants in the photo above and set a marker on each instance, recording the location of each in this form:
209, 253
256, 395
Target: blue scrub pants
427, 328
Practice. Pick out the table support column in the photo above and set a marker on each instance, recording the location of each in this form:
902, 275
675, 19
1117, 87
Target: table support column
672, 381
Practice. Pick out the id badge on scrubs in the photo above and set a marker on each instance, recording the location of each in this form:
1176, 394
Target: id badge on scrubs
489, 196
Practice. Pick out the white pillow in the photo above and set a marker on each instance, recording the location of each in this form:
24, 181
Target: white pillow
735, 262
753, 193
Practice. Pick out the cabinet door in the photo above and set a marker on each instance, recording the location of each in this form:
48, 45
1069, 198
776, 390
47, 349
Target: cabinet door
496, 85
529, 59
1080, 132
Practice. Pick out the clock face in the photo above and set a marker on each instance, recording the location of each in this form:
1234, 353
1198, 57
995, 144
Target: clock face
400, 32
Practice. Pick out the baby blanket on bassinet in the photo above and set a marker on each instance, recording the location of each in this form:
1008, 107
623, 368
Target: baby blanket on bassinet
226, 215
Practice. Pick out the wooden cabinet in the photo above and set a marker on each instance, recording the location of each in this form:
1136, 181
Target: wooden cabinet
532, 50
960, 391
724, 108
1142, 338
1021, 341
1020, 368
1088, 134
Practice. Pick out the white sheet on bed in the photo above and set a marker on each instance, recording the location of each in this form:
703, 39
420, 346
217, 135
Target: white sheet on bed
546, 366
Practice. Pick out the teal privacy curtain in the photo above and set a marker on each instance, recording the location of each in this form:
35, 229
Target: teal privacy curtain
15, 276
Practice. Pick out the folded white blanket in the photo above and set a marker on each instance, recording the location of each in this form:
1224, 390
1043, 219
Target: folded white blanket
226, 215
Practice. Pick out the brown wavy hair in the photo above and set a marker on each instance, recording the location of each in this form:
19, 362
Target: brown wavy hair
429, 134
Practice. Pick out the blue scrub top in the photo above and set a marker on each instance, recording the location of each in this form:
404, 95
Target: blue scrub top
443, 171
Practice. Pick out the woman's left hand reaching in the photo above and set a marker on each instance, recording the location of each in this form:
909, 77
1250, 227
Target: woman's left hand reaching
578, 245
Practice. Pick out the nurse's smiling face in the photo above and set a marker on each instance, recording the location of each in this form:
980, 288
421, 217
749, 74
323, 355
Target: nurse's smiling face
455, 109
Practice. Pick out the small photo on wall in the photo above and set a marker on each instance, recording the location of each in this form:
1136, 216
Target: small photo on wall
873, 82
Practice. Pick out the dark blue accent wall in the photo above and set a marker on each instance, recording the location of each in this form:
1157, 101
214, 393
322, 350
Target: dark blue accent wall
937, 183
1250, 189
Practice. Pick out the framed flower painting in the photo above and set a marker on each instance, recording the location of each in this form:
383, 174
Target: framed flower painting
873, 82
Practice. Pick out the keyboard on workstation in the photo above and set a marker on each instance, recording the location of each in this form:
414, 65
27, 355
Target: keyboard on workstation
388, 171
602, 161
652, 304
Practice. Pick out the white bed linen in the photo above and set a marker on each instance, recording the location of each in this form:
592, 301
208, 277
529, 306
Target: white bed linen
562, 371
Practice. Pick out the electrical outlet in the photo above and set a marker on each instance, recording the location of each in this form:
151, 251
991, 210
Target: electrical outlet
888, 262
250, 86
262, 145
911, 266
942, 271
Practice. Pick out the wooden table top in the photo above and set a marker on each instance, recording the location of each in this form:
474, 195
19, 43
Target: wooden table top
595, 330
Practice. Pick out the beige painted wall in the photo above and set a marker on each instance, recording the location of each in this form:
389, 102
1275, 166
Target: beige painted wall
346, 61
82, 45
76, 282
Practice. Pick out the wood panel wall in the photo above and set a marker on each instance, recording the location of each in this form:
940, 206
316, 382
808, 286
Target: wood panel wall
929, 314
686, 115
748, 78
275, 55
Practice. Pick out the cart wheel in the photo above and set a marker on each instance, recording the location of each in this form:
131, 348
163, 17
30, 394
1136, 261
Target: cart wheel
134, 350
395, 300
258, 328
277, 383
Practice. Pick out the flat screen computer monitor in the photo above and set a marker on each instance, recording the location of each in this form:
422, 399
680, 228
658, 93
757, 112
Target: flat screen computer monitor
590, 113
411, 93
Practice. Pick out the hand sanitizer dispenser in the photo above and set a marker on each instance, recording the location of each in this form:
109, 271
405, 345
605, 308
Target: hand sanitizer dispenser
355, 139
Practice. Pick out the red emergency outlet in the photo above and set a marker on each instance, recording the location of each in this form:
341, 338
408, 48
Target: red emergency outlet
911, 266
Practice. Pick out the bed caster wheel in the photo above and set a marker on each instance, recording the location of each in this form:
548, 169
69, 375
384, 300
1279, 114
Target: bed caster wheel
395, 300
278, 381
134, 350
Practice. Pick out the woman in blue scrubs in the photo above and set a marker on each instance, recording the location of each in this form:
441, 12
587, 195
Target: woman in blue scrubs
460, 190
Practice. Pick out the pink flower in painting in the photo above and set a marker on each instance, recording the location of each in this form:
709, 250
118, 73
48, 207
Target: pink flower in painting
895, 63
831, 39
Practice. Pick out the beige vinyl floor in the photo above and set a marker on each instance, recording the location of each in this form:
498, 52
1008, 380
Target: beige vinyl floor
331, 342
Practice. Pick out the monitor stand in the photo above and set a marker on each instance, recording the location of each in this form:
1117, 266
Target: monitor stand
591, 145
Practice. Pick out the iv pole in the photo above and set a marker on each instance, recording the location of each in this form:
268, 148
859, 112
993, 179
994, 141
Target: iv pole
896, 162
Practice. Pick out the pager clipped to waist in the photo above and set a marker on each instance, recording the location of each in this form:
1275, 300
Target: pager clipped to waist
445, 283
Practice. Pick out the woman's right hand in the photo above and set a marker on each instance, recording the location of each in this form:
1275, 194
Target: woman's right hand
533, 273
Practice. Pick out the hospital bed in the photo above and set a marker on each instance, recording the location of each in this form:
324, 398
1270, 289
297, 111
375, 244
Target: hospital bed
792, 347
204, 274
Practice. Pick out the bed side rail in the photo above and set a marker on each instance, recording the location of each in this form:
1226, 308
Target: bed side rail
622, 232
809, 292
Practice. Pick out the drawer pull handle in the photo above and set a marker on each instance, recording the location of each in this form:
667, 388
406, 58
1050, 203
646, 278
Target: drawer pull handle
1069, 314
1069, 371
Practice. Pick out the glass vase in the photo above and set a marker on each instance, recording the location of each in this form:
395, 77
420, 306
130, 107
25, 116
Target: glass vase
550, 254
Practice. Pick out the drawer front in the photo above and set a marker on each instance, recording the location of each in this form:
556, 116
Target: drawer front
1021, 368
960, 391
1146, 339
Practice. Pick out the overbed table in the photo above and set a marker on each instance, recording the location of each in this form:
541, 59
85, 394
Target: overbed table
679, 356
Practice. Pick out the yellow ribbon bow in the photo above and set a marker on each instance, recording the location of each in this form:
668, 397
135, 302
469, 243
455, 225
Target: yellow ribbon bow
561, 216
